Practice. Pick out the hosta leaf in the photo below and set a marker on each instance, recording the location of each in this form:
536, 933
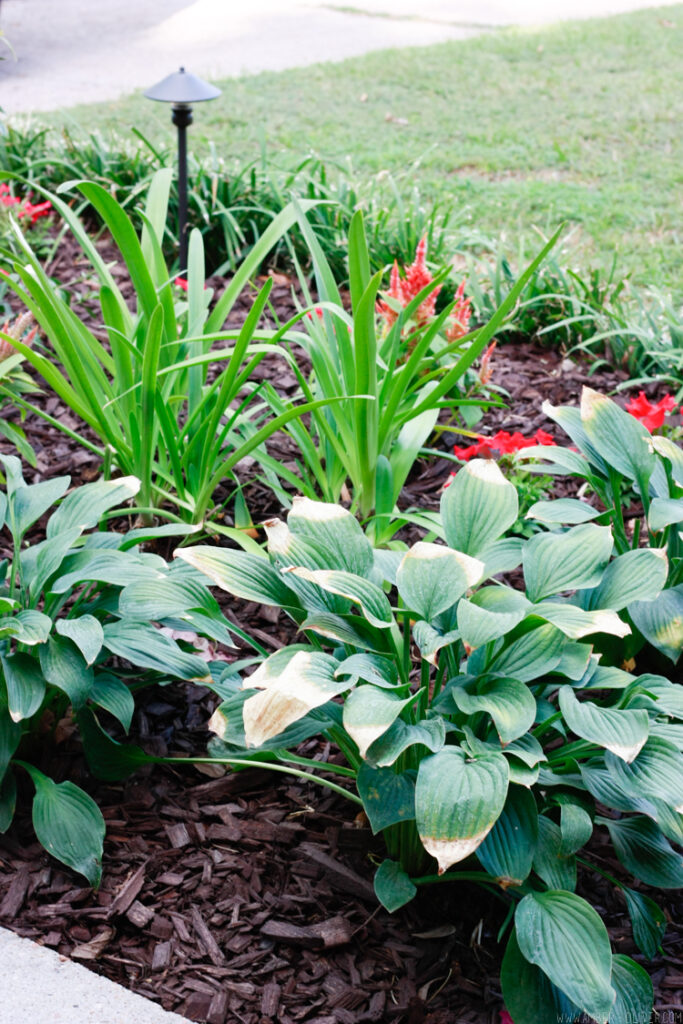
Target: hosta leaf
228, 723
393, 887
368, 713
107, 566
144, 646
527, 749
557, 870
624, 733
28, 627
619, 438
663, 512
371, 599
85, 506
575, 661
534, 654
307, 681
634, 991
107, 759
656, 772
647, 920
27, 504
555, 562
478, 485
661, 621
69, 825
606, 788
430, 641
636, 575
658, 693
562, 934
668, 449
478, 624
530, 997
387, 797
337, 531
502, 556
508, 850
371, 668
576, 623
576, 828
565, 511
432, 577
25, 685
8, 800
241, 574
40, 561
350, 630
86, 633
113, 695
643, 850
165, 599
457, 802
510, 704
10, 734
63, 666
430, 733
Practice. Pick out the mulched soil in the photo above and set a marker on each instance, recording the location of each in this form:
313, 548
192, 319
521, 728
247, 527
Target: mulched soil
247, 897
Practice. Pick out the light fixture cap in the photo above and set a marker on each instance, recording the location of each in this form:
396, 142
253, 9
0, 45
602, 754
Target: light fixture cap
182, 87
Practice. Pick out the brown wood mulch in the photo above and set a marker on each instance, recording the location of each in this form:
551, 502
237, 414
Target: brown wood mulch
247, 897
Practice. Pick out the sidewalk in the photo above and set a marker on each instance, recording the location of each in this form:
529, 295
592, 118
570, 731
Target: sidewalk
77, 51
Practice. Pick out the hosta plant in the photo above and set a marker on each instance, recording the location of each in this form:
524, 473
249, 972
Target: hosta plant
484, 739
73, 652
616, 455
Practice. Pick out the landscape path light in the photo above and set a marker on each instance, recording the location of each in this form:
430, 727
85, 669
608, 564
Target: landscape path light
182, 90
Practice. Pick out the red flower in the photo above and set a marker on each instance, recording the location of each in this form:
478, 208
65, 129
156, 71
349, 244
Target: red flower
502, 442
181, 282
404, 290
318, 312
461, 316
650, 414
35, 210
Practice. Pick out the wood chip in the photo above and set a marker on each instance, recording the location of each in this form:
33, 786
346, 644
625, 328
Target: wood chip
338, 875
206, 938
128, 892
325, 935
14, 898
161, 957
139, 915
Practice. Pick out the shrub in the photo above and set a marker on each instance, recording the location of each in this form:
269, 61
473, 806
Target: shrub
481, 728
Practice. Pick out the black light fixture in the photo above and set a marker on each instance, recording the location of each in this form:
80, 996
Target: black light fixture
182, 90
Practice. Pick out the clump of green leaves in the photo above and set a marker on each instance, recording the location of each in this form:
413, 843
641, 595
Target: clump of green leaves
484, 737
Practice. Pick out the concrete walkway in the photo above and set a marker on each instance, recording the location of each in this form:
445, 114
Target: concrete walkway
41, 987
82, 51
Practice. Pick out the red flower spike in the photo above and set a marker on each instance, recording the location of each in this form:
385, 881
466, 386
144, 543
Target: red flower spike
181, 282
461, 316
404, 290
650, 414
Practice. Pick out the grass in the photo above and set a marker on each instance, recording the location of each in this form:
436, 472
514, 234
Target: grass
580, 122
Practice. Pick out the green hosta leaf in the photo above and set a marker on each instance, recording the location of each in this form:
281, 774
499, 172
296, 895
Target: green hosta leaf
371, 599
508, 850
663, 512
562, 934
28, 627
555, 562
656, 772
86, 633
565, 511
510, 704
8, 801
634, 992
643, 850
557, 870
368, 713
527, 749
85, 506
69, 825
144, 646
480, 623
63, 666
648, 922
575, 661
624, 733
25, 685
113, 695
576, 828
668, 449
337, 531
478, 485
534, 654
27, 504
661, 621
636, 575
106, 758
619, 438
345, 630
10, 734
165, 599
393, 887
529, 995
40, 561
241, 574
457, 802
502, 556
668, 818
227, 722
432, 577
387, 797
305, 682
576, 623
659, 694
430, 641
108, 566
430, 733
606, 788
371, 668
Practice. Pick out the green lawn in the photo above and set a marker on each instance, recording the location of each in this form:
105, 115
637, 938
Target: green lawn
580, 122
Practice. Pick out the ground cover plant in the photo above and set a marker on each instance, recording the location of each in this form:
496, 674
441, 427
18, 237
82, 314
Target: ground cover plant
465, 750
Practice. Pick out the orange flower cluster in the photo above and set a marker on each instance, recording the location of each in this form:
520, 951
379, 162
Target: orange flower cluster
416, 277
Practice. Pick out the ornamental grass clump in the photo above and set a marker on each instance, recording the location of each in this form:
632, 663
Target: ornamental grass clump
488, 730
